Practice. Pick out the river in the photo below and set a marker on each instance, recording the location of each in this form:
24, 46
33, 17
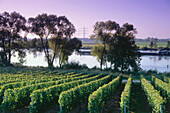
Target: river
159, 63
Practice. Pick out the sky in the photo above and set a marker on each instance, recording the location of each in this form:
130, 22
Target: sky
151, 18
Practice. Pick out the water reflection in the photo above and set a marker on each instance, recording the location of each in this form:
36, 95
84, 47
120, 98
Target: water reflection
160, 63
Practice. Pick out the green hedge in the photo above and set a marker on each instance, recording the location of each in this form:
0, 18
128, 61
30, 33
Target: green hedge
22, 95
153, 96
26, 83
161, 86
71, 98
45, 98
125, 96
166, 79
98, 98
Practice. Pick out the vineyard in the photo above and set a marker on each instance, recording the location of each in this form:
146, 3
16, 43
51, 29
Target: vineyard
73, 91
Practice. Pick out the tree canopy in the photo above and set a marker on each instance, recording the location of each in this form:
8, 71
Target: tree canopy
51, 26
119, 46
103, 32
11, 26
67, 46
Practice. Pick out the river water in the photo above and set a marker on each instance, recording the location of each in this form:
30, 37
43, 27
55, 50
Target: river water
159, 63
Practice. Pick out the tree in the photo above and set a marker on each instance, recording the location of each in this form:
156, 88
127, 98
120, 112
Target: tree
97, 51
155, 43
123, 51
103, 31
50, 26
67, 46
168, 44
118, 46
151, 44
11, 26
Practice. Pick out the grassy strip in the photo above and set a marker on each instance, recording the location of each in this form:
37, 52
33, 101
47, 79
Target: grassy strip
125, 96
153, 96
98, 98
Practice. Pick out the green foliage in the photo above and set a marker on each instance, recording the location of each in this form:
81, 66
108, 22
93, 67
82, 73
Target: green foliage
153, 96
163, 87
118, 46
71, 98
51, 95
99, 97
22, 94
74, 65
103, 32
63, 48
11, 24
51, 26
166, 79
97, 51
124, 54
125, 96
22, 84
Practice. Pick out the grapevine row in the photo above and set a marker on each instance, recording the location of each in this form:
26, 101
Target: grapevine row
125, 97
166, 79
161, 86
98, 98
19, 97
73, 97
50, 96
155, 100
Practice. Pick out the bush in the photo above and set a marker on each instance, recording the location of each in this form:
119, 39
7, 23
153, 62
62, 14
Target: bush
74, 65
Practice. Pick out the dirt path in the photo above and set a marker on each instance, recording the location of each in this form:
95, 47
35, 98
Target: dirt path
21, 110
167, 106
113, 105
139, 102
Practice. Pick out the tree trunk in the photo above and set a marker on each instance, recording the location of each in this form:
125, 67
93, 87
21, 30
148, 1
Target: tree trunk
4, 52
9, 58
50, 64
9, 52
45, 48
101, 63
106, 64
60, 62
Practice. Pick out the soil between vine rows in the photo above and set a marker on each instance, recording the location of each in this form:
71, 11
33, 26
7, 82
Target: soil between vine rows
139, 102
113, 105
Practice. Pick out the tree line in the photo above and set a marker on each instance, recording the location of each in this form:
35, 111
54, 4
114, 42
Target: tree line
54, 32
118, 45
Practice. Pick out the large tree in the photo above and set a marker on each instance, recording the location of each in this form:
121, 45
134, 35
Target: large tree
124, 54
67, 46
118, 45
102, 32
11, 27
50, 26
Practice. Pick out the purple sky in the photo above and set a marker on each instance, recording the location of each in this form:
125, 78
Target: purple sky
150, 17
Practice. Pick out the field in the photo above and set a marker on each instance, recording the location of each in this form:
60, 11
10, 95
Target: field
139, 44
39, 90
146, 44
